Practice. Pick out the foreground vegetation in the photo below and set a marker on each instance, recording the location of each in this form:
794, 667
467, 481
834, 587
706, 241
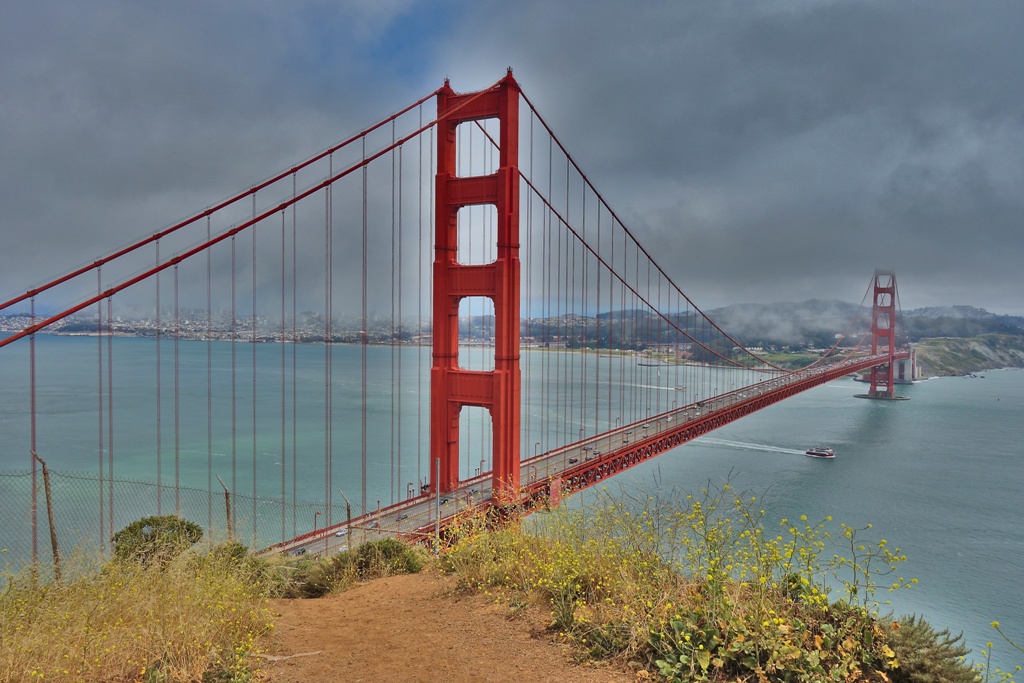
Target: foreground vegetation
190, 618
697, 589
684, 588
155, 613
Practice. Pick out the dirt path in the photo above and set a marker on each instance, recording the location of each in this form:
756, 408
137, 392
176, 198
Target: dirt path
409, 628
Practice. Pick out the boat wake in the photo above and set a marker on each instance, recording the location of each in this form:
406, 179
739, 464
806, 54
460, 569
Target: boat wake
748, 446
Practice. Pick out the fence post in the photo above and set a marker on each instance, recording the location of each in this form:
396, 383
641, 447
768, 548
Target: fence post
49, 516
348, 517
227, 509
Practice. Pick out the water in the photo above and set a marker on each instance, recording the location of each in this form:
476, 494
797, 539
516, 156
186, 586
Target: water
939, 476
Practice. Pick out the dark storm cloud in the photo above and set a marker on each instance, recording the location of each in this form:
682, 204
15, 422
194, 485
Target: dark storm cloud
785, 150
765, 151
119, 118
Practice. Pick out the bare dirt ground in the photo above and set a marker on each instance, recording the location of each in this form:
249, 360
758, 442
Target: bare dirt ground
414, 629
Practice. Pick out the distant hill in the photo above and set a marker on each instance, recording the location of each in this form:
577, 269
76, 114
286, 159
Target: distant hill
808, 324
815, 323
971, 312
951, 356
959, 322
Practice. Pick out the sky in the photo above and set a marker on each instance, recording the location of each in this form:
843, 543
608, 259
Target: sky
765, 151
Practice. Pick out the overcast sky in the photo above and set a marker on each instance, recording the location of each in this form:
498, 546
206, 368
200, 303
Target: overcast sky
766, 151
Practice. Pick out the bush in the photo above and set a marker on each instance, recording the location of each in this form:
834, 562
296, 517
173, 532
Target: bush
373, 560
928, 656
158, 538
386, 557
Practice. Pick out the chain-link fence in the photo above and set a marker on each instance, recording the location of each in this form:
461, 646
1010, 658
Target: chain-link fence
88, 510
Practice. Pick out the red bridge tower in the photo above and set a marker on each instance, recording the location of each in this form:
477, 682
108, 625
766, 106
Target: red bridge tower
452, 387
883, 333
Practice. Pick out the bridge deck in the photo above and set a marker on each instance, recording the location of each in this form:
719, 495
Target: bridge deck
576, 466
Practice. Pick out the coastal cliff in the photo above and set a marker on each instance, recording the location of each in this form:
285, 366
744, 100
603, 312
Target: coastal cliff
954, 356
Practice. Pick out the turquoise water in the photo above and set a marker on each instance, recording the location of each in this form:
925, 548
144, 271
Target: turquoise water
939, 476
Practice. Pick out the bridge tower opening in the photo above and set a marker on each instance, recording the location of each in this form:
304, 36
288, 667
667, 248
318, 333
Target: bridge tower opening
452, 387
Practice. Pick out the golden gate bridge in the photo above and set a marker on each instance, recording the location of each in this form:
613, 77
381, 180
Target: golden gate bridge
560, 351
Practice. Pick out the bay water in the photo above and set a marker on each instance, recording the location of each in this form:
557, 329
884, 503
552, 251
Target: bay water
940, 476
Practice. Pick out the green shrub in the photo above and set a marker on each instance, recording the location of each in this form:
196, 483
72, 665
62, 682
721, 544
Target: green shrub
317, 578
386, 557
158, 538
373, 560
925, 655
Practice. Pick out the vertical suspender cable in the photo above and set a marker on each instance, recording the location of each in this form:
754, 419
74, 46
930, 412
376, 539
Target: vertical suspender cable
234, 388
364, 335
330, 375
102, 452
557, 302
159, 429
328, 334
647, 338
466, 169
209, 387
32, 438
432, 228
567, 308
284, 406
252, 339
110, 412
295, 356
570, 292
619, 303
400, 334
177, 399
544, 259
625, 338
392, 489
586, 325
327, 327
597, 334
634, 367
527, 437
608, 299
420, 257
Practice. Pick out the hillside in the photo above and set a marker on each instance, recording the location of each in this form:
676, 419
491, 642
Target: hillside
952, 356
815, 323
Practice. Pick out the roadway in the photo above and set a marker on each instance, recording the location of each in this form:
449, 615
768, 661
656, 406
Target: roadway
580, 464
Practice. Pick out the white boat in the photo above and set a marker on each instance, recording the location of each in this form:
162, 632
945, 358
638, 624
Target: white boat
820, 452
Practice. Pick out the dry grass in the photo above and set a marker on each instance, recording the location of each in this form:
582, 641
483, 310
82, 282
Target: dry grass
197, 619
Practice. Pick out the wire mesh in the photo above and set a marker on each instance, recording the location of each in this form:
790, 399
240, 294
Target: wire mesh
81, 520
